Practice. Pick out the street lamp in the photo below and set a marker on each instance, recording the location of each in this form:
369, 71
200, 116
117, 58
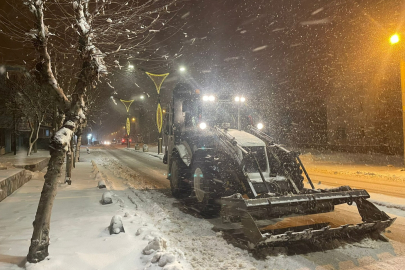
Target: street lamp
394, 39
239, 100
88, 138
182, 69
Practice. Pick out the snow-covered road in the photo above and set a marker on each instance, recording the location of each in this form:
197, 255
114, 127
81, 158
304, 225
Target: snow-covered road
210, 251
159, 232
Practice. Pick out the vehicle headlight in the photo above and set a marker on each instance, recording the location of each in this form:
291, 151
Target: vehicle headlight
203, 125
259, 126
209, 98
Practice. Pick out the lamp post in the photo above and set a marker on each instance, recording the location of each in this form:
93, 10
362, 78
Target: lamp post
133, 127
239, 101
158, 81
395, 39
127, 126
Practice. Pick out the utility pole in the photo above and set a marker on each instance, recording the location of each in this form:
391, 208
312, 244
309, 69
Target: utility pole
127, 104
158, 80
403, 101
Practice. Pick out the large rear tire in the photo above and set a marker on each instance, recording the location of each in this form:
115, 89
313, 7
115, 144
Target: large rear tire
178, 172
204, 190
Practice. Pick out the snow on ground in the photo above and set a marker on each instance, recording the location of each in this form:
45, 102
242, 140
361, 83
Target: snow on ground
373, 166
158, 234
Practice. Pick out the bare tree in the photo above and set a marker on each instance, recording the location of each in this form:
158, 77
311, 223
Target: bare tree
30, 99
94, 27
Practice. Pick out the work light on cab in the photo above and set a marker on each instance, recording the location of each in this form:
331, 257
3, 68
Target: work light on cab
209, 98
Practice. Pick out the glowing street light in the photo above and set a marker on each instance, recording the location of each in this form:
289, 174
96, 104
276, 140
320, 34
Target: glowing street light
88, 138
394, 39
239, 100
133, 119
182, 69
142, 97
130, 66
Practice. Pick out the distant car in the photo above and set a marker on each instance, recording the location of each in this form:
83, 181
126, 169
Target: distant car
114, 141
96, 143
124, 140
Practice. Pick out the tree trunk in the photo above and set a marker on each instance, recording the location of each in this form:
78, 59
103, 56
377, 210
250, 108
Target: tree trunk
14, 135
92, 67
33, 143
30, 138
69, 162
40, 237
78, 145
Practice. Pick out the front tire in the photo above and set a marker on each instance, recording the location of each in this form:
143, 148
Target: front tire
180, 189
204, 190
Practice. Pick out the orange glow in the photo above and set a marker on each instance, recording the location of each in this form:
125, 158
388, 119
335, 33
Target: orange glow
394, 39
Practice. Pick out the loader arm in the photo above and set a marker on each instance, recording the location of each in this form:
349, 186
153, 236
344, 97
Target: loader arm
301, 202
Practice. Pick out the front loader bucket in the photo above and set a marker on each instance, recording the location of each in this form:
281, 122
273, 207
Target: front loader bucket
250, 211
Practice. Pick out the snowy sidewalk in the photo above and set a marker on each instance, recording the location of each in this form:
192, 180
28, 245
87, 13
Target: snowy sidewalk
37, 161
80, 237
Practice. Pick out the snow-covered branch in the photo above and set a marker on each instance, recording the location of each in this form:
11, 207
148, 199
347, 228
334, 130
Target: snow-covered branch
40, 36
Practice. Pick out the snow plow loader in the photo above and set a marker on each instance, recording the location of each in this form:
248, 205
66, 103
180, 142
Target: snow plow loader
247, 178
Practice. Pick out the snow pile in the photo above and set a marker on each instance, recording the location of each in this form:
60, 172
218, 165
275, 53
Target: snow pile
6, 165
116, 225
157, 244
106, 198
157, 252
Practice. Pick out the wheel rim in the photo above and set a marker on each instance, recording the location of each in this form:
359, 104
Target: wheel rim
173, 177
198, 184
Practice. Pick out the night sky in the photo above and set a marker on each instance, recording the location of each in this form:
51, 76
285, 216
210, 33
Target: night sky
285, 56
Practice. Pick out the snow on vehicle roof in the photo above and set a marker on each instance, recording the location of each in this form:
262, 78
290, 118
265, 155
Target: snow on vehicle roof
245, 139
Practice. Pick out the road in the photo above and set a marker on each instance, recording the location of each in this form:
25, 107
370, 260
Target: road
149, 167
152, 170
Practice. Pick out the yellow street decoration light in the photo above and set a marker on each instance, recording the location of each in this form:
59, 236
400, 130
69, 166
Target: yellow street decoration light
159, 117
128, 126
394, 39
127, 103
157, 79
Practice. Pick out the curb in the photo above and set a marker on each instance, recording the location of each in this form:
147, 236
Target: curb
13, 182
